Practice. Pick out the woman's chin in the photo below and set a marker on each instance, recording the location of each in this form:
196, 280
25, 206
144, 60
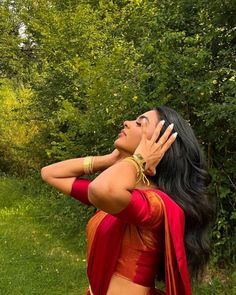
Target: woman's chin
119, 144
122, 148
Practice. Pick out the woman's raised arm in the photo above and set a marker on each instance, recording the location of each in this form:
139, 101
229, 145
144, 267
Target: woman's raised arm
61, 175
110, 191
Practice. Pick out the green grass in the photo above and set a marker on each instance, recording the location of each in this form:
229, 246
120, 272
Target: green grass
220, 281
43, 244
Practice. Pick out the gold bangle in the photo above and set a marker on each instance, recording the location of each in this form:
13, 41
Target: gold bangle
139, 158
88, 165
139, 169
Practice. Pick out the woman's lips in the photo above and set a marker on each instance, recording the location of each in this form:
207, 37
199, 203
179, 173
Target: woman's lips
122, 133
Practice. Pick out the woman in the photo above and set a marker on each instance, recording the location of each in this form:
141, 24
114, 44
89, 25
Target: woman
153, 213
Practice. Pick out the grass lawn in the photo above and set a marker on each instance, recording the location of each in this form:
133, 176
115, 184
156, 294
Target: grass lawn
39, 253
42, 240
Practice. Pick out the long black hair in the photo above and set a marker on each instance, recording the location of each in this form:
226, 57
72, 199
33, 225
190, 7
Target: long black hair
182, 174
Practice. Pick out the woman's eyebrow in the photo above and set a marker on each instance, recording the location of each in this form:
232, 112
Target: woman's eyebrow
143, 117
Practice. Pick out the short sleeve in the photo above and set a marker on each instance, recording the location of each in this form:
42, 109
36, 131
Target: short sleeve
144, 209
79, 190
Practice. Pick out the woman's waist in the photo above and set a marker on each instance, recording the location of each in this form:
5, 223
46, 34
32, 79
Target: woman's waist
125, 286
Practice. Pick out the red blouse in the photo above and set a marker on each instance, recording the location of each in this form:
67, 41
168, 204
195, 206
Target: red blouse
133, 242
142, 247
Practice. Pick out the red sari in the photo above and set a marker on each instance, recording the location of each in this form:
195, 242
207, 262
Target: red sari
110, 232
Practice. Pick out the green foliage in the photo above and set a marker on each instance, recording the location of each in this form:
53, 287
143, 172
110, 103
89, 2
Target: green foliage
18, 129
85, 66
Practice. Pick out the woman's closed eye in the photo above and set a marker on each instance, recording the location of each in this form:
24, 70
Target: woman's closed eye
139, 124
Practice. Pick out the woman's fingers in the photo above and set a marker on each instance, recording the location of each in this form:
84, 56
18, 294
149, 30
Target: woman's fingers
157, 131
166, 135
169, 142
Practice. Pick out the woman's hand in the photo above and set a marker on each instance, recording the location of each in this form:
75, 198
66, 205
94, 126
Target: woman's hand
116, 156
153, 151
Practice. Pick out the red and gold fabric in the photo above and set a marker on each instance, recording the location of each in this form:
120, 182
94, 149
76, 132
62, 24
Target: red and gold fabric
143, 242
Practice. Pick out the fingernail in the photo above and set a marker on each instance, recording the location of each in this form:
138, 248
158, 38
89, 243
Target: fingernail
175, 134
162, 122
171, 126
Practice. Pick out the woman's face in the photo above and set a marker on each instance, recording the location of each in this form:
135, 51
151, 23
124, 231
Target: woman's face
129, 138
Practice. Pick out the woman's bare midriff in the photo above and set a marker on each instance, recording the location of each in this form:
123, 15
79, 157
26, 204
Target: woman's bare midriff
120, 285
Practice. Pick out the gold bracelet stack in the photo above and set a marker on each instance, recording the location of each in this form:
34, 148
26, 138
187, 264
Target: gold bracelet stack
139, 164
88, 165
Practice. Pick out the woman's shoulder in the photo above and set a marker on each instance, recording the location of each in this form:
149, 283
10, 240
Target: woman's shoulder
162, 197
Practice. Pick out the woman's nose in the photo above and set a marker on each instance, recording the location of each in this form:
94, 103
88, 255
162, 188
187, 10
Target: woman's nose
126, 124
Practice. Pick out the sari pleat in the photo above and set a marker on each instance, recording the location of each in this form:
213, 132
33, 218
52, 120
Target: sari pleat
177, 277
104, 253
